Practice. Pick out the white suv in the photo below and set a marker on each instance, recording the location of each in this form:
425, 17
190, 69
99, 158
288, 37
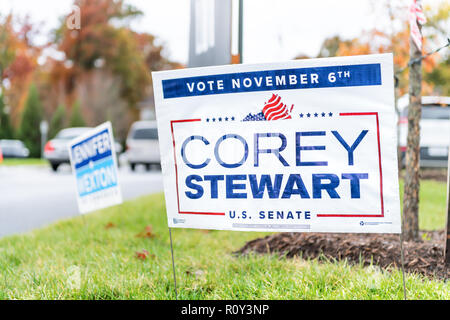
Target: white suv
142, 144
434, 130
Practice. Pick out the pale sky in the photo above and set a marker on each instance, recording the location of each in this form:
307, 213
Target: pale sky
274, 30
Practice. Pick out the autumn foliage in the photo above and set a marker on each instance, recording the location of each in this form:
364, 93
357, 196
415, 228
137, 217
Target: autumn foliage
103, 68
380, 42
395, 38
18, 61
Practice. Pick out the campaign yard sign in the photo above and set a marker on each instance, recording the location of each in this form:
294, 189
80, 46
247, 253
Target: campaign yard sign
94, 166
299, 146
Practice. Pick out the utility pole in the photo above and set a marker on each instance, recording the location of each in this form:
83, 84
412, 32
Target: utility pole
412, 183
241, 29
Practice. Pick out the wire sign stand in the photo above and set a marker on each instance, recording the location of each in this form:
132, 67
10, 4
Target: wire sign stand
173, 264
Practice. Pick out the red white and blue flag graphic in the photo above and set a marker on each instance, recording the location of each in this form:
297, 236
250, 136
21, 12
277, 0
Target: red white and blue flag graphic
416, 17
274, 109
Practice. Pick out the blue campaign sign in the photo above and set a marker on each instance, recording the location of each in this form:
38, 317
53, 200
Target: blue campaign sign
93, 161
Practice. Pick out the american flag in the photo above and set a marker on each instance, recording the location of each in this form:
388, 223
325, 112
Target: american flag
416, 17
274, 109
254, 117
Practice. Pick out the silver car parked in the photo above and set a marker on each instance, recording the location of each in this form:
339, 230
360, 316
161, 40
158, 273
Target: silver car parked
434, 130
142, 144
13, 149
56, 150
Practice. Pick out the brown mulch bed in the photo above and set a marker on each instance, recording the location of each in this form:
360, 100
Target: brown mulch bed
434, 174
425, 257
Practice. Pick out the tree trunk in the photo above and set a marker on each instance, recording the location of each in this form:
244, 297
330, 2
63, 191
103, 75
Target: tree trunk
411, 191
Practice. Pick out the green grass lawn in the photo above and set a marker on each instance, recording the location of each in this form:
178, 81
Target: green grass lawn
84, 259
432, 201
23, 162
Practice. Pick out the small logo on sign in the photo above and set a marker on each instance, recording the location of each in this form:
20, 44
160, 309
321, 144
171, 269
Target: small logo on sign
273, 109
177, 220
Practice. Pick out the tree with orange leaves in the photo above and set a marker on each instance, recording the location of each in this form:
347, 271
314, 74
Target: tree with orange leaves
398, 44
18, 60
396, 40
106, 65
100, 43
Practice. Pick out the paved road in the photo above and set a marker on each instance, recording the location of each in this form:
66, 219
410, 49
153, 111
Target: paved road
34, 196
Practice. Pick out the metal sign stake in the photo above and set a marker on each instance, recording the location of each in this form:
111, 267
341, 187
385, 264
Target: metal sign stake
403, 265
447, 231
173, 264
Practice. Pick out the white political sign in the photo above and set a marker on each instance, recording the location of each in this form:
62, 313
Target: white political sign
299, 146
94, 166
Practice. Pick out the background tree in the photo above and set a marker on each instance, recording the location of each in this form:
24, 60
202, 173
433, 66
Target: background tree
438, 20
412, 158
395, 38
330, 46
7, 53
18, 61
6, 129
31, 118
440, 77
57, 122
107, 65
76, 117
100, 43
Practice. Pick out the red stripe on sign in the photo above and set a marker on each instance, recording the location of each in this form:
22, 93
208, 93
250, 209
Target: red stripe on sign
275, 109
380, 170
208, 213
176, 171
283, 114
272, 98
271, 104
280, 109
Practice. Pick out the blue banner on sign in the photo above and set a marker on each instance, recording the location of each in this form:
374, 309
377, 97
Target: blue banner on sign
99, 176
300, 78
94, 148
